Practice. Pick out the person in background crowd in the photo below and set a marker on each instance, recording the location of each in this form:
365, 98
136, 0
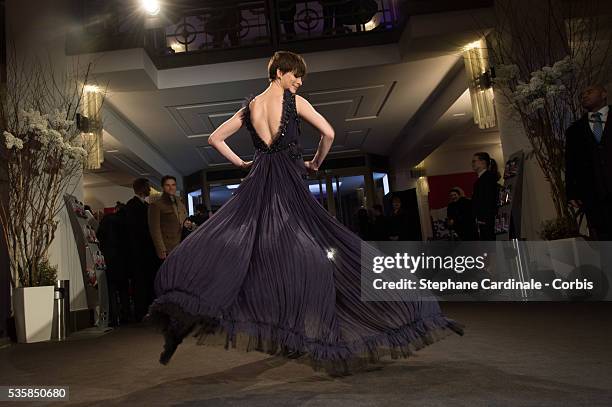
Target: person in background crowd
225, 22
142, 260
459, 214
402, 226
379, 224
485, 195
166, 217
200, 216
588, 163
113, 243
194, 221
286, 12
362, 223
334, 16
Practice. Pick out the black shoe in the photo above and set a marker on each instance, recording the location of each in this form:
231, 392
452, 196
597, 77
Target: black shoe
170, 345
166, 355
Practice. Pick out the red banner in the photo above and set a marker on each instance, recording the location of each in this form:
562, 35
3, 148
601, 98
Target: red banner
440, 185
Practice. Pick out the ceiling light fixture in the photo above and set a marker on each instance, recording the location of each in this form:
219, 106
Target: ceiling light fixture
152, 7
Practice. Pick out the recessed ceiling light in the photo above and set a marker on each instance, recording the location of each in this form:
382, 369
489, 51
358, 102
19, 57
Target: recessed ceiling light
458, 114
112, 151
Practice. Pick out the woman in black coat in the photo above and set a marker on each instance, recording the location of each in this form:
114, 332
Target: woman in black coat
485, 195
459, 214
403, 225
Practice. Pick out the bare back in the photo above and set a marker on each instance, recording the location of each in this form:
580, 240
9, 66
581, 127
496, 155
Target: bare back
266, 113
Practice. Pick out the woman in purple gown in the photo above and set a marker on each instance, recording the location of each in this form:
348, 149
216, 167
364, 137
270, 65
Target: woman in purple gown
272, 265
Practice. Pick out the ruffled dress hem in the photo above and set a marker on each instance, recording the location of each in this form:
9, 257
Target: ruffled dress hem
180, 314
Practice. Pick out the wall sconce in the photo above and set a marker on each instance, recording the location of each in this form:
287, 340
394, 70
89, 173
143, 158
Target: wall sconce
418, 171
89, 122
480, 77
423, 186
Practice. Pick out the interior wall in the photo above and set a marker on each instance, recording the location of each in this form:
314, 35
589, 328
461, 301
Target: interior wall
44, 38
459, 160
5, 287
64, 253
107, 196
537, 204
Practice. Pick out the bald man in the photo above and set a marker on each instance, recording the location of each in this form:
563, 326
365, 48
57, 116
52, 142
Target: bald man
588, 163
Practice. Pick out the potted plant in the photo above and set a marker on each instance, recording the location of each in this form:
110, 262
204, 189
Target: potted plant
559, 228
33, 303
43, 152
567, 247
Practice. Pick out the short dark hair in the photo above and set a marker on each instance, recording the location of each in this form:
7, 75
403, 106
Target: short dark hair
597, 85
140, 185
166, 178
286, 61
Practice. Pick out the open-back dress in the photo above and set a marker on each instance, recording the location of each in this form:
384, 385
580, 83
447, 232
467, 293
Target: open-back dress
272, 266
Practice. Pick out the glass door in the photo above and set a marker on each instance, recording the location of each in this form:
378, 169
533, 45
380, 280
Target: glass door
349, 197
220, 194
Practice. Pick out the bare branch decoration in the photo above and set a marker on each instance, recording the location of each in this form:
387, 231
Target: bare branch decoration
45, 154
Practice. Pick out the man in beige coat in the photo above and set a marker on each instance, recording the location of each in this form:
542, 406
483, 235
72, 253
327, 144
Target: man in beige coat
166, 217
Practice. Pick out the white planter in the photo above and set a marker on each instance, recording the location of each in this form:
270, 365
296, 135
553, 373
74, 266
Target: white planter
33, 308
567, 254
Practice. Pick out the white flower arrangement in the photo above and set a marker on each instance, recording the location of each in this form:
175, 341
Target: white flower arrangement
548, 82
58, 120
53, 133
43, 151
34, 122
506, 73
53, 138
12, 142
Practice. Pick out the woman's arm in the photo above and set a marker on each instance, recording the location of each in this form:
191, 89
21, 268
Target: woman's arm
228, 128
308, 113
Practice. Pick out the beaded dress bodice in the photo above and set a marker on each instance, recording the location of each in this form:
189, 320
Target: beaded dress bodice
287, 137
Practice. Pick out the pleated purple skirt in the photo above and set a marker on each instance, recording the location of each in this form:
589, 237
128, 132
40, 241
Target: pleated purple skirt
274, 267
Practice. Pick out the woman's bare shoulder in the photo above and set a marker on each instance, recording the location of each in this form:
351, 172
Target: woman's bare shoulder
301, 103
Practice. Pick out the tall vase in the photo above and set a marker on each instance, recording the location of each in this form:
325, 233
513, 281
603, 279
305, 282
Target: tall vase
33, 307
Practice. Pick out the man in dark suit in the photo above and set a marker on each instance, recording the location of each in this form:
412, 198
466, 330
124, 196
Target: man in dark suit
588, 163
113, 243
143, 261
485, 195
